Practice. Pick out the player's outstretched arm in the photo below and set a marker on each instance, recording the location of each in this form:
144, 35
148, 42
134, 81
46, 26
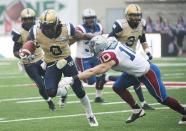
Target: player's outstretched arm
99, 69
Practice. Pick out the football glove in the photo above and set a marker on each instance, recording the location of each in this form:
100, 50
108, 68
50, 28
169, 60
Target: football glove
66, 81
148, 53
27, 58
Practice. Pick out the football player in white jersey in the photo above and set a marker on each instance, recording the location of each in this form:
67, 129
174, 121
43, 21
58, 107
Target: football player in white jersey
117, 56
85, 59
33, 65
129, 30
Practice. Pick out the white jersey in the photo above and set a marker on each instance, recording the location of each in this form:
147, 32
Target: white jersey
83, 46
126, 60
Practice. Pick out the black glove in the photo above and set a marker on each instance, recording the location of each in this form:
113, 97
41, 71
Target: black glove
149, 55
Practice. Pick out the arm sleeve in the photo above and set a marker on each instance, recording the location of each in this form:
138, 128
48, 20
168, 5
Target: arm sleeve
71, 29
116, 28
142, 38
32, 33
16, 47
108, 56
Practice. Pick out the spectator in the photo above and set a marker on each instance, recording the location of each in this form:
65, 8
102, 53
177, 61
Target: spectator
150, 27
159, 24
181, 31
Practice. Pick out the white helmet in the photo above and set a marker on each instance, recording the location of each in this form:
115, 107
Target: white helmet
89, 13
99, 43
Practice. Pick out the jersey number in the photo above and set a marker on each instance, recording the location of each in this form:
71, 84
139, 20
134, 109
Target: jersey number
56, 50
130, 41
132, 57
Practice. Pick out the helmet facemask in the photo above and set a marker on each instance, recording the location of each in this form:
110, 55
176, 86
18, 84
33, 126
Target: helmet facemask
28, 17
89, 17
134, 19
27, 23
133, 15
50, 24
49, 29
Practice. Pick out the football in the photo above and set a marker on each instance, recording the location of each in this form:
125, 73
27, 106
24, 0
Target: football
30, 46
27, 49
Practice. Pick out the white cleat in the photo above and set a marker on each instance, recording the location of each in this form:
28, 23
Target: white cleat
92, 121
182, 121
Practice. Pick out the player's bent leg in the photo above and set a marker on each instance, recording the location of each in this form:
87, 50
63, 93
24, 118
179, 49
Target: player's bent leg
176, 106
157, 89
70, 70
126, 96
144, 104
100, 81
33, 70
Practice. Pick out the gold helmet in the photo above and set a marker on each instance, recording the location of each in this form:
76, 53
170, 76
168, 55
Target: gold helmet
49, 22
28, 17
133, 14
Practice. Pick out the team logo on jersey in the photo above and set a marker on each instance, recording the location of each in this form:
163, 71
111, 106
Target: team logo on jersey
71, 63
105, 57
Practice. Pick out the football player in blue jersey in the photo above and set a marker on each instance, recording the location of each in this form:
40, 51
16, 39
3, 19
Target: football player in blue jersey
53, 36
129, 30
34, 66
85, 59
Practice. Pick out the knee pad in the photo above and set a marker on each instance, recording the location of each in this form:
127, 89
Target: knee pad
51, 92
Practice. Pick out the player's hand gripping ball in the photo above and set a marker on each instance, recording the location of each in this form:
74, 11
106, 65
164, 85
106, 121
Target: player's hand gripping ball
26, 53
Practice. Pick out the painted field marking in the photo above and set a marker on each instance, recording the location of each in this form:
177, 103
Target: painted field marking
68, 116
35, 99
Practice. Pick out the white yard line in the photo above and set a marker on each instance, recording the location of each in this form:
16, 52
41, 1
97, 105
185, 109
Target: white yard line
170, 64
68, 116
39, 99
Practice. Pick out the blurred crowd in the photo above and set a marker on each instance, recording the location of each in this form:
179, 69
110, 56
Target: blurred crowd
172, 33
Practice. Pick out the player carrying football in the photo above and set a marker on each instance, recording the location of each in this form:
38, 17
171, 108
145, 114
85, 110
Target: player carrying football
34, 65
53, 36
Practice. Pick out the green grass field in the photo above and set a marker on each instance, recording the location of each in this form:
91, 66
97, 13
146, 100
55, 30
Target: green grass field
22, 109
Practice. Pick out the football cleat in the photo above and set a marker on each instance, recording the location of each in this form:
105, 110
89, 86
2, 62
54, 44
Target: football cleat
62, 101
182, 121
51, 105
99, 100
135, 116
92, 121
147, 107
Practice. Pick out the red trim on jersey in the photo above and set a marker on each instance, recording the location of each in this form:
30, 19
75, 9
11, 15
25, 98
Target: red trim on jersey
151, 76
79, 29
108, 56
79, 64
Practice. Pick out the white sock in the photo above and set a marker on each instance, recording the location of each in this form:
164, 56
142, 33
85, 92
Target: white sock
49, 99
86, 104
98, 93
62, 91
106, 77
136, 110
